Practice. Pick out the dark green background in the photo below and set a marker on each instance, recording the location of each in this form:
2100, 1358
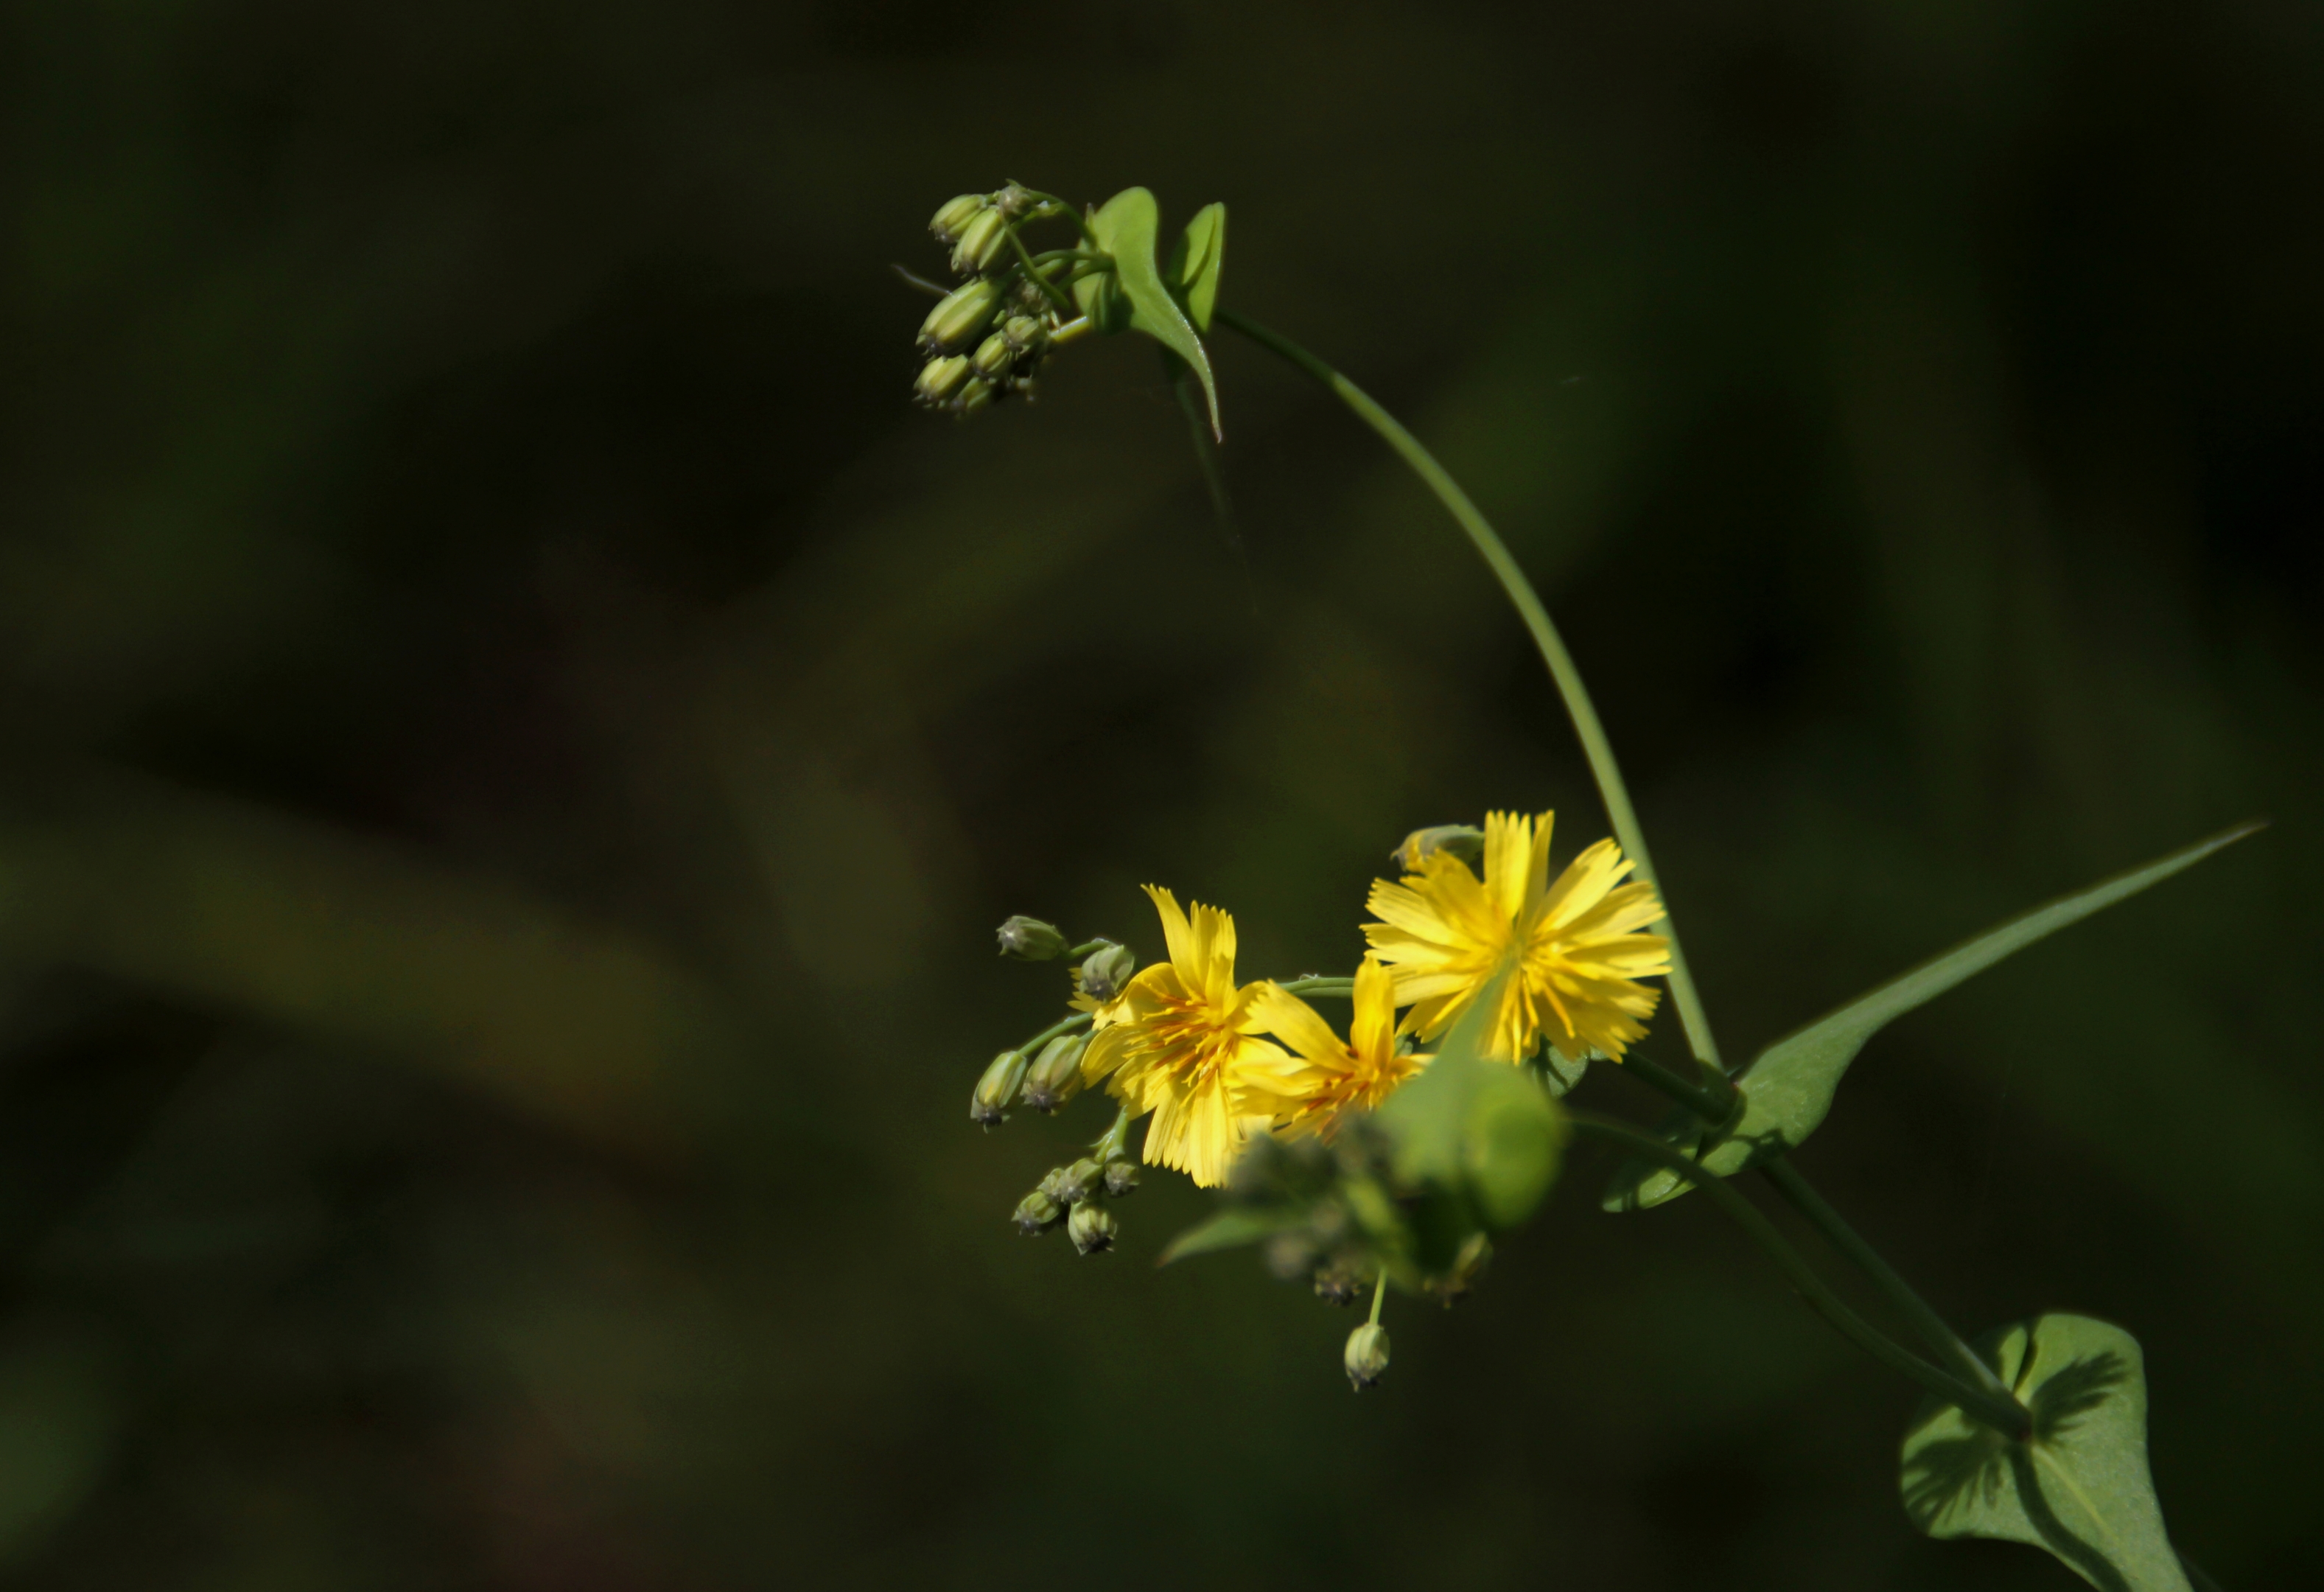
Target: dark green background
516, 738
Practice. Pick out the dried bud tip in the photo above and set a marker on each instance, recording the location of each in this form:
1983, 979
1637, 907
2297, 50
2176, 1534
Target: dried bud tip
1092, 1227
1037, 1212
989, 1105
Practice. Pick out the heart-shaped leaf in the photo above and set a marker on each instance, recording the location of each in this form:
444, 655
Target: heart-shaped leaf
2079, 1485
1133, 294
1196, 262
1788, 1091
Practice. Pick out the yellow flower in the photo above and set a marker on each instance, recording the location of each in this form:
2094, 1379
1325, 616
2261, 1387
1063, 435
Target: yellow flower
1181, 1041
1340, 1077
1572, 947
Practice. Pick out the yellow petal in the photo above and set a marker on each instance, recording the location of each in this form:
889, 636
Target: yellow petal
1276, 1011
1371, 1026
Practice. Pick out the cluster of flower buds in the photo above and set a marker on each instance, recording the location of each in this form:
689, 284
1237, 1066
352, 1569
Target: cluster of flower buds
988, 337
1075, 1195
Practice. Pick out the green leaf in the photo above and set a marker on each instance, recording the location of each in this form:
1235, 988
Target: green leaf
1788, 1091
1125, 227
1194, 263
1486, 1129
1231, 1229
2079, 1487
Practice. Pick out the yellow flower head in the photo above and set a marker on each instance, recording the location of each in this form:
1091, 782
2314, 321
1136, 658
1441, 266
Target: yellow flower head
1572, 947
1182, 1044
1339, 1078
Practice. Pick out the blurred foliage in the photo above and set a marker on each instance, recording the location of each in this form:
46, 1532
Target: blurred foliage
515, 738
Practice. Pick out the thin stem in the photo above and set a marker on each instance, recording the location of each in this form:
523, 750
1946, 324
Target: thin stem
1925, 1321
1713, 1101
2000, 1412
1065, 1026
1325, 987
1057, 294
1090, 949
1379, 1292
1520, 593
1116, 1139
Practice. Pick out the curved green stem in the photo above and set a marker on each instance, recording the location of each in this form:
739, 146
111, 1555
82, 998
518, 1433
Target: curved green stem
1379, 1292
1056, 295
1931, 1326
2002, 1413
1520, 593
1116, 1139
1065, 1026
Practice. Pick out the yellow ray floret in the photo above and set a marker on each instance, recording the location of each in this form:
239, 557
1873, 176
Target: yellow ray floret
1182, 1043
1573, 947
1340, 1077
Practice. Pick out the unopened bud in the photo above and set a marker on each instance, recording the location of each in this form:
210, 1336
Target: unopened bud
1367, 1354
1029, 939
1476, 1254
1092, 1227
940, 379
1024, 332
1037, 1212
983, 238
989, 1105
1121, 1178
960, 315
1338, 1284
1056, 1075
1454, 839
1081, 1179
974, 398
1107, 971
994, 356
1013, 198
954, 215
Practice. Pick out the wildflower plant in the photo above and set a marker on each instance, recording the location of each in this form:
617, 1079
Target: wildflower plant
1386, 1154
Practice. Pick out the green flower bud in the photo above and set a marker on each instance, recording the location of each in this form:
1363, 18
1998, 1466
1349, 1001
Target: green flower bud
1025, 333
1121, 1178
939, 380
960, 315
1055, 1076
1476, 1254
1037, 1212
1029, 939
1458, 839
982, 241
1013, 198
953, 218
1081, 1180
1092, 1227
994, 356
1107, 970
1367, 1354
988, 1105
974, 398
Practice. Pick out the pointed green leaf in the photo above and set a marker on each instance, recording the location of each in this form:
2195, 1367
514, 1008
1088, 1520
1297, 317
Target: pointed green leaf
1235, 1226
1126, 225
2079, 1487
1196, 262
1788, 1091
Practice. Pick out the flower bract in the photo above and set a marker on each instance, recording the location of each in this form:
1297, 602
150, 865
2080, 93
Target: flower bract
1572, 947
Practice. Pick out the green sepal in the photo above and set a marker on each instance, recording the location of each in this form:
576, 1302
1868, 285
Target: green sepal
1788, 1091
2079, 1486
1194, 263
1132, 296
1486, 1130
